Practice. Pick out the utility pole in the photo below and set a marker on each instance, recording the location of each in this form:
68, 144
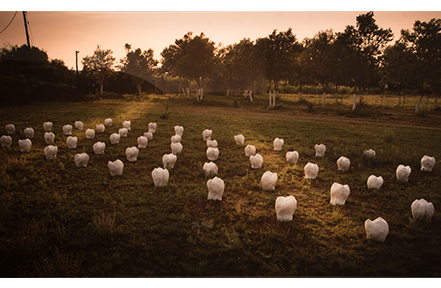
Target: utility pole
26, 28
76, 63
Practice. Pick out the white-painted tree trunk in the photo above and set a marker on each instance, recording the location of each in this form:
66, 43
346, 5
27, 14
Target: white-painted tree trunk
324, 100
274, 98
270, 98
354, 104
251, 95
417, 107
228, 92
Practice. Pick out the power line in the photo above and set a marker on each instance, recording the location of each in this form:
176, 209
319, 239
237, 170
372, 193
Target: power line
9, 23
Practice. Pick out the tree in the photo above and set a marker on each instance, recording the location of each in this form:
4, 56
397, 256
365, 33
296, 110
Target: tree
192, 58
99, 66
140, 64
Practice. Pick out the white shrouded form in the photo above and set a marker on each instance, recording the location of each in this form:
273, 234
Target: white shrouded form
29, 132
292, 157
403, 172
100, 128
179, 130
210, 169
90, 133
374, 182
176, 148
49, 137
169, 160
256, 161
47, 126
152, 127
206, 134
132, 154
81, 159
427, 163
123, 132
98, 148
211, 143
175, 138
339, 193
108, 121
212, 153
320, 150
268, 181
127, 124
116, 167
422, 210
369, 153
25, 145
71, 142
216, 188
278, 144
6, 141
142, 142
67, 129
239, 139
50, 152
311, 170
285, 208
250, 150
148, 135
343, 163
160, 177
10, 129
376, 230
79, 125
114, 138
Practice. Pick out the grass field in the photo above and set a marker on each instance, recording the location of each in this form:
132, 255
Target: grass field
57, 220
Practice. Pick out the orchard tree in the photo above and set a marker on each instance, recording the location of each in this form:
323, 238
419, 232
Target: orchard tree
99, 66
139, 64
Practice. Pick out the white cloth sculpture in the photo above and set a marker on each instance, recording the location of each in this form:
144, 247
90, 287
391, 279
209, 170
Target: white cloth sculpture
256, 161
376, 230
123, 132
278, 144
427, 163
369, 153
239, 139
81, 159
116, 167
422, 210
10, 129
100, 128
375, 182
216, 188
179, 130
268, 181
285, 208
210, 169
160, 177
29, 132
6, 141
25, 145
169, 160
206, 134
320, 150
175, 138
50, 152
47, 126
142, 142
211, 143
403, 172
311, 170
90, 133
250, 150
292, 157
212, 153
79, 125
98, 148
343, 163
176, 148
148, 135
132, 154
127, 124
114, 138
108, 122
71, 142
67, 129
152, 127
49, 137
339, 193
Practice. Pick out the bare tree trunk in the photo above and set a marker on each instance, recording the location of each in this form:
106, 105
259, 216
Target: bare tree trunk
270, 98
324, 100
417, 107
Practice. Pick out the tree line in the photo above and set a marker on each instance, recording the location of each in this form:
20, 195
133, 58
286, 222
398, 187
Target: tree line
361, 57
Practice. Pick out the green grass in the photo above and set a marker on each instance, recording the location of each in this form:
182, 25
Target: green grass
60, 220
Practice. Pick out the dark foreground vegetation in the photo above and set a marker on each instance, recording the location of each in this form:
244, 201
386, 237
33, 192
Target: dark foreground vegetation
57, 220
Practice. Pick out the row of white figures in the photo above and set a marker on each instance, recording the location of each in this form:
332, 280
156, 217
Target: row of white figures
215, 185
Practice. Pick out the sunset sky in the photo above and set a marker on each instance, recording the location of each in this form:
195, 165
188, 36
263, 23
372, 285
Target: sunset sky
61, 33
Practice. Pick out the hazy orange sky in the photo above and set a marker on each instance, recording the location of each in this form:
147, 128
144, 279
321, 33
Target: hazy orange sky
61, 33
